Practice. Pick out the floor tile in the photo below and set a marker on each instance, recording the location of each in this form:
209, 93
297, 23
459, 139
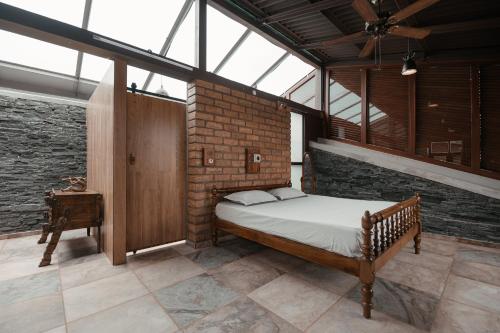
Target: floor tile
16, 268
213, 257
183, 249
241, 246
60, 329
327, 278
168, 272
194, 298
25, 253
35, 315
69, 260
474, 293
400, 302
151, 257
72, 234
420, 278
437, 246
453, 317
347, 317
75, 275
140, 315
245, 275
294, 300
279, 260
477, 271
22, 242
433, 261
101, 294
28, 287
75, 253
470, 254
242, 316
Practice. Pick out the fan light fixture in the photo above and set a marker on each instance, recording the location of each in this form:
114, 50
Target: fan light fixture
409, 65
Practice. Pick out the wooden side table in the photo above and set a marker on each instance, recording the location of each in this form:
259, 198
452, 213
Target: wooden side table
69, 211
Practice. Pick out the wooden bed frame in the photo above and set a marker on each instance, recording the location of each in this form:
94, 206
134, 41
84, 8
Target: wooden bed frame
385, 233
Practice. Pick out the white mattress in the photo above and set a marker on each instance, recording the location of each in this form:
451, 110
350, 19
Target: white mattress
330, 223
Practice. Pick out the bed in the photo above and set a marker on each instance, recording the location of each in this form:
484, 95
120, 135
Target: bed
325, 230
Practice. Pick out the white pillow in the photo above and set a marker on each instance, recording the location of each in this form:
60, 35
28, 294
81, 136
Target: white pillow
248, 198
285, 193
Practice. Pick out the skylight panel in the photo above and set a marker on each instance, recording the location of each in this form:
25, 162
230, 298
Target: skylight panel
285, 76
183, 45
174, 88
93, 67
34, 53
251, 60
70, 12
222, 34
305, 92
144, 24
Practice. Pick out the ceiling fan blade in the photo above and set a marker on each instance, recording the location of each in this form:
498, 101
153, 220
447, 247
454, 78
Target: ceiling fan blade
365, 10
368, 48
411, 9
417, 33
356, 37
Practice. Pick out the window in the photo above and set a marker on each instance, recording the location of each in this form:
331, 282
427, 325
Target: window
70, 12
443, 123
297, 148
306, 93
345, 104
388, 108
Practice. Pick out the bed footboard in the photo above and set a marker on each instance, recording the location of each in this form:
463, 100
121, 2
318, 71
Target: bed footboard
385, 233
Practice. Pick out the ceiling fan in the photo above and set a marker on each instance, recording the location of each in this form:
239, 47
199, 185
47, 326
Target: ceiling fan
379, 24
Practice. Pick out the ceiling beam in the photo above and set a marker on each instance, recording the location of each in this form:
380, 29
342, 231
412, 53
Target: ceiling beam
300, 10
79, 59
200, 54
232, 51
170, 38
483, 24
270, 69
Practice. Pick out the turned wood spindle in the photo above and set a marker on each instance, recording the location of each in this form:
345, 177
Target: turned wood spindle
382, 235
393, 230
367, 225
388, 238
375, 237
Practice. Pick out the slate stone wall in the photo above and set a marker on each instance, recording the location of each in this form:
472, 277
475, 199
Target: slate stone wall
445, 209
40, 142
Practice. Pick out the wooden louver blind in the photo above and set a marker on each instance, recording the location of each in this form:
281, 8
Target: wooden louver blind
490, 117
388, 108
345, 104
443, 103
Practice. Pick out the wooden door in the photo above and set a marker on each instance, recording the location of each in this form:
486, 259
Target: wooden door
156, 171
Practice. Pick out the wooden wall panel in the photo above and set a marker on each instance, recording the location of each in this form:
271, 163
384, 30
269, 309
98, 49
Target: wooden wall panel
388, 108
156, 179
106, 156
443, 111
490, 117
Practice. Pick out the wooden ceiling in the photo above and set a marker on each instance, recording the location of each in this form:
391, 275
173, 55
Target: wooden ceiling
459, 26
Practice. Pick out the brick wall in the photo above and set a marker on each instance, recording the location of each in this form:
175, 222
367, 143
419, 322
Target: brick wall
229, 121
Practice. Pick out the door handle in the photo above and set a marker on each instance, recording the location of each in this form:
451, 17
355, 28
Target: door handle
131, 158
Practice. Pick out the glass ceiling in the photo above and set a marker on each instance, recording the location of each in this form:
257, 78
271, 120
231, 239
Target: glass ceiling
143, 27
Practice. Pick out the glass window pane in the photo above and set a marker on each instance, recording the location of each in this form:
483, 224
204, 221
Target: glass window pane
251, 60
345, 104
144, 24
305, 92
34, 53
222, 33
183, 45
289, 72
93, 67
174, 88
137, 76
70, 12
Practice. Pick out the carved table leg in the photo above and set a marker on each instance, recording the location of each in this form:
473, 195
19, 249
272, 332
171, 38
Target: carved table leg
215, 237
45, 233
54, 239
417, 240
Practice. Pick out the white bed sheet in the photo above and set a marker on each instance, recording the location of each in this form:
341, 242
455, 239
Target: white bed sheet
330, 223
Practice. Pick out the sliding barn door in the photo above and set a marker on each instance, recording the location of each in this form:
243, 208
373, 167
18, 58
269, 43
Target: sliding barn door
156, 171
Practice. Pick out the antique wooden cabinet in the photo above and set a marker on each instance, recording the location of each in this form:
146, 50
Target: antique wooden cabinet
68, 211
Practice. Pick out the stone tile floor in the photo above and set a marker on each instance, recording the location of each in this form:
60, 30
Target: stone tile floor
242, 287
